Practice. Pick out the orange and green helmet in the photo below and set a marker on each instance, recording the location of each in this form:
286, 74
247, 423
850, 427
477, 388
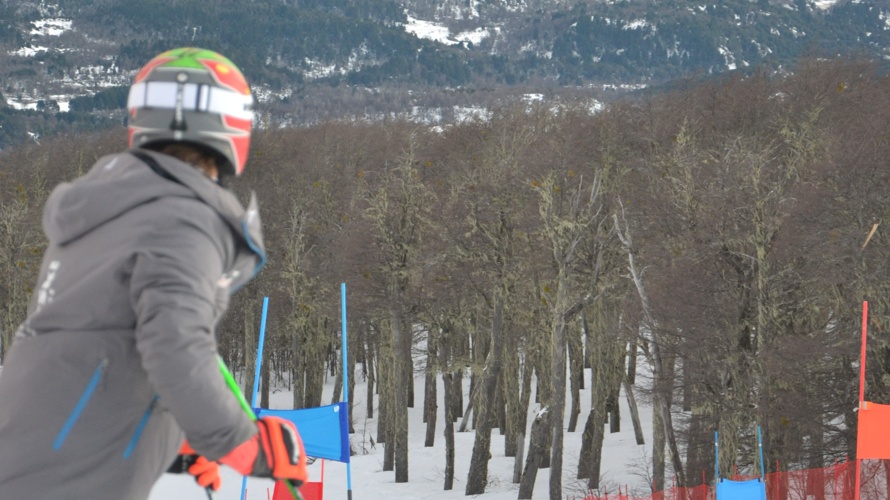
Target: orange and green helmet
197, 96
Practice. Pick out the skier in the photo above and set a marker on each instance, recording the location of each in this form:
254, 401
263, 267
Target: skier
116, 363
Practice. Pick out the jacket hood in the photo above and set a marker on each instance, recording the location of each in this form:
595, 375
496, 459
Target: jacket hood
120, 182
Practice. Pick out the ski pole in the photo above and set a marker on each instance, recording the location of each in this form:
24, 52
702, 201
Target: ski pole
236, 390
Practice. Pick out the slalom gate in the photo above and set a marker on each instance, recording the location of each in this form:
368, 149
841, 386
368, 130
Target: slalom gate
836, 482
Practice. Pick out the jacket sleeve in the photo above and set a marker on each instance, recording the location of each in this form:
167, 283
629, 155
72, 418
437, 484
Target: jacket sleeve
173, 287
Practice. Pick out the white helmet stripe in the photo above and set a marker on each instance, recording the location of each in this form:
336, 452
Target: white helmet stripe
195, 97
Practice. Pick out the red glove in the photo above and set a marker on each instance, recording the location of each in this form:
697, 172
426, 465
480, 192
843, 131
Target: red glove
275, 451
206, 473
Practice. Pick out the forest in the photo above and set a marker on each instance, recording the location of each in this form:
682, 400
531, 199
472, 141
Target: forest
725, 231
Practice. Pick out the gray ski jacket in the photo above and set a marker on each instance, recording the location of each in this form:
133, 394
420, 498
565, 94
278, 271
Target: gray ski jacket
117, 360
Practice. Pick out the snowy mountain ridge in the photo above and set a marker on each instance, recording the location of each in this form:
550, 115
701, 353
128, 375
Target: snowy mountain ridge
387, 58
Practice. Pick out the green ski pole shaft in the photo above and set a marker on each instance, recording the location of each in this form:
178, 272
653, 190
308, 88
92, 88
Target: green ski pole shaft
236, 390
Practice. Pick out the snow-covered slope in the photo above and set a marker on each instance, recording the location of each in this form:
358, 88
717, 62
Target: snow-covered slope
623, 461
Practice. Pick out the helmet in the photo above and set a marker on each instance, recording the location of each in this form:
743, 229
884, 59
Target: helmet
197, 96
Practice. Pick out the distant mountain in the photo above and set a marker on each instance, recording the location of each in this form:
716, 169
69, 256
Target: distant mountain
65, 63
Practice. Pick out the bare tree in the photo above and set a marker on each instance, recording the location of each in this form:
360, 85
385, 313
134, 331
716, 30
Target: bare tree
566, 222
399, 212
661, 403
19, 241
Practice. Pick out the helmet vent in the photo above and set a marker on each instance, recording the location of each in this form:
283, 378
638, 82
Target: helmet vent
178, 124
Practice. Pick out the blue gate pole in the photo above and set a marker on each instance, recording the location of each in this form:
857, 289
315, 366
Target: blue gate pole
256, 375
259, 354
346, 384
716, 460
760, 446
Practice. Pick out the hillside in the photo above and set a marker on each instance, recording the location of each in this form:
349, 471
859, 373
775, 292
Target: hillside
64, 65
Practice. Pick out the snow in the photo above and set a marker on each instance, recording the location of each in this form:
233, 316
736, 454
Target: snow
51, 27
728, 57
824, 4
464, 114
29, 51
43, 27
623, 460
21, 105
429, 31
439, 33
63, 101
636, 25
474, 37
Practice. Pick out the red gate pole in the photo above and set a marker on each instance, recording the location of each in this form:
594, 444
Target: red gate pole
861, 389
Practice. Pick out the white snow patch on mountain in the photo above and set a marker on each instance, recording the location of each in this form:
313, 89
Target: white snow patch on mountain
474, 37
429, 31
50, 27
637, 24
29, 51
728, 57
465, 114
21, 105
824, 4
43, 28
440, 33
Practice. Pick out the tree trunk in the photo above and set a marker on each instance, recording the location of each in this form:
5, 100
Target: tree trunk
338, 384
350, 367
513, 408
537, 451
817, 462
590, 461
602, 364
448, 391
614, 411
399, 411
500, 406
558, 394
297, 372
249, 355
314, 386
673, 448
370, 361
632, 363
314, 370
596, 458
478, 476
517, 461
389, 452
468, 412
385, 401
688, 387
429, 394
265, 371
576, 369
526, 394
409, 380
700, 448
457, 394
634, 413
658, 445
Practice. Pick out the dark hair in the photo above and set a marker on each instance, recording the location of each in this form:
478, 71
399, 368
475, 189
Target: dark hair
192, 154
